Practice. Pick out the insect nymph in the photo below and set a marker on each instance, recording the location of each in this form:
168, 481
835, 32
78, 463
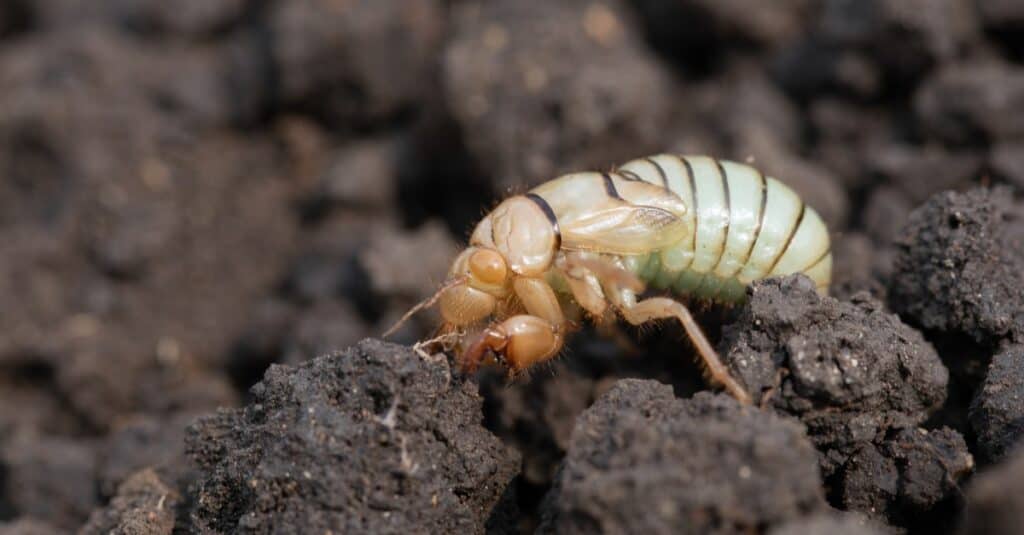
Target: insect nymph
691, 226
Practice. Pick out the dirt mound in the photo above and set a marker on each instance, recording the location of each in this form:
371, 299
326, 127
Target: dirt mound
374, 439
641, 460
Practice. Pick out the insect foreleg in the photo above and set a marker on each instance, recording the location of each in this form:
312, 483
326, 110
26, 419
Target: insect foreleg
539, 300
525, 339
662, 307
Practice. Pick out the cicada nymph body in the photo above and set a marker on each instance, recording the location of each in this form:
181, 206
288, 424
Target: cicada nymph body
691, 226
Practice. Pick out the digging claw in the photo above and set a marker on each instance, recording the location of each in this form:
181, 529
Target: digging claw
518, 343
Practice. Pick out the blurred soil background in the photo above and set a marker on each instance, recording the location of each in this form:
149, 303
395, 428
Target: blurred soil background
194, 191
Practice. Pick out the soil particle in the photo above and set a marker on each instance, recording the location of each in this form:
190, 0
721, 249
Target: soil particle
190, 18
1006, 160
145, 442
535, 113
848, 135
405, 267
885, 213
1002, 14
905, 475
323, 328
354, 61
910, 37
834, 523
711, 22
362, 175
144, 505
408, 263
973, 102
538, 417
752, 101
28, 382
49, 478
132, 210
326, 271
956, 269
862, 382
29, 526
995, 499
997, 411
859, 264
849, 370
919, 173
374, 439
640, 460
1004, 20
863, 48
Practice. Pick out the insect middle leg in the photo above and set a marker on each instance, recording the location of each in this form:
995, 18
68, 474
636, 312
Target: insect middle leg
654, 308
620, 287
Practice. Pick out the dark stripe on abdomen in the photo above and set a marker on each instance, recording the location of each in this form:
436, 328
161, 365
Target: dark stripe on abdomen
661, 173
550, 214
609, 186
626, 174
760, 218
789, 240
728, 212
818, 260
693, 191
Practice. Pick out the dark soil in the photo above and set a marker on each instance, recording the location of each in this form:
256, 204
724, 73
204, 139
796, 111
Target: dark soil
997, 414
143, 504
862, 382
641, 460
958, 267
995, 499
375, 439
199, 197
829, 524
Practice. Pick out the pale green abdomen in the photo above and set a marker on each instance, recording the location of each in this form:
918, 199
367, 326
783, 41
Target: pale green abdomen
687, 282
744, 226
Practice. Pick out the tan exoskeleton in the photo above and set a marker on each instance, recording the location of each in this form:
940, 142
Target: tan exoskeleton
693, 226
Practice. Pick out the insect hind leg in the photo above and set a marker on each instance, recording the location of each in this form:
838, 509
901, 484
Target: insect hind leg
654, 308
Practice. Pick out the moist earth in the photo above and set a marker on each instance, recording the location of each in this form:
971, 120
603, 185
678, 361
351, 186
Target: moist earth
375, 439
642, 460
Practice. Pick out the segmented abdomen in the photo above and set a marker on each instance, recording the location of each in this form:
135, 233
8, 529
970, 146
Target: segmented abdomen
745, 226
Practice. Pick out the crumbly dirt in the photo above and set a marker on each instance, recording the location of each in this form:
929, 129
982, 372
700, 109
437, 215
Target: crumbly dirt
374, 439
862, 382
850, 370
193, 192
552, 86
143, 504
830, 524
644, 461
995, 499
997, 411
958, 267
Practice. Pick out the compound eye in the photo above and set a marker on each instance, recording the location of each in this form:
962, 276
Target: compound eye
488, 266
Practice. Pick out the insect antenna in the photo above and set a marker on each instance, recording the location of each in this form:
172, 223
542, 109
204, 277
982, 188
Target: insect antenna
426, 303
